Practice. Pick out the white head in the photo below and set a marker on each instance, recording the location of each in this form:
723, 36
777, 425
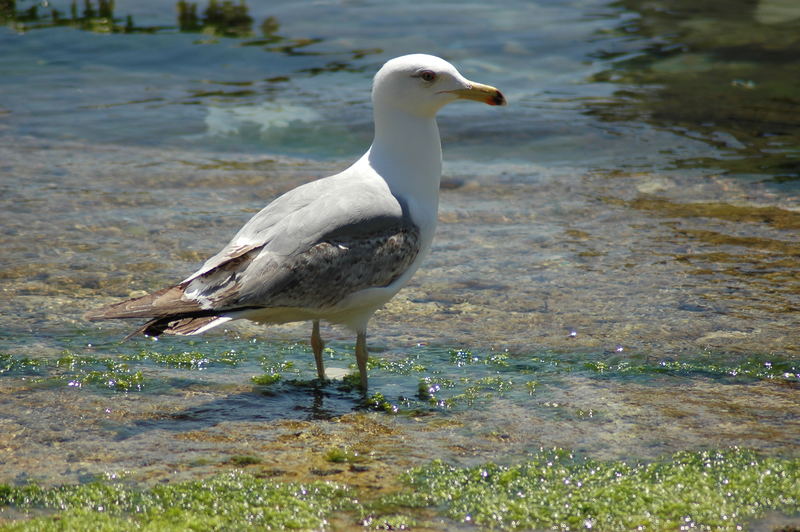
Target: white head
422, 84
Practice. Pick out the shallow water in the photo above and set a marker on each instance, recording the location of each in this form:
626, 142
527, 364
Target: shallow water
615, 269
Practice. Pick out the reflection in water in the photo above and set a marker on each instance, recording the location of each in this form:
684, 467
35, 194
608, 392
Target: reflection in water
98, 19
724, 73
225, 19
218, 19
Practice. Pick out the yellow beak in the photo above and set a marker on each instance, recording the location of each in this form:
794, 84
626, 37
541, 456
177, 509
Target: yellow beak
481, 93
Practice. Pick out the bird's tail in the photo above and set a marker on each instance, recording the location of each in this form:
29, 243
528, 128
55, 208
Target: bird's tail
179, 326
159, 304
170, 313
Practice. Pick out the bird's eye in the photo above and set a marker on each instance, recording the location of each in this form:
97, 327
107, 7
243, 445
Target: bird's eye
428, 75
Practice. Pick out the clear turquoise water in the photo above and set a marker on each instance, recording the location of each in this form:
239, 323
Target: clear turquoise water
615, 270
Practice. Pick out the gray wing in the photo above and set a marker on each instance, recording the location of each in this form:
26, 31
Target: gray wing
311, 250
297, 219
369, 254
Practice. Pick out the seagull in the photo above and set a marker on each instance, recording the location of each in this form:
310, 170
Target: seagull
338, 248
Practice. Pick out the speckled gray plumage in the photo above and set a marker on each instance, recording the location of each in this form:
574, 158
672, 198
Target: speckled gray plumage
371, 254
300, 218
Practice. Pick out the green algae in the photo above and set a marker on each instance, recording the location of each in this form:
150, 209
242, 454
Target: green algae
705, 490
242, 460
79, 371
231, 501
469, 390
14, 365
266, 379
435, 379
442, 393
709, 365
389, 522
341, 455
377, 401
404, 366
431, 378
187, 359
273, 371
746, 369
438, 388
465, 357
74, 371
413, 364
553, 489
98, 372
117, 380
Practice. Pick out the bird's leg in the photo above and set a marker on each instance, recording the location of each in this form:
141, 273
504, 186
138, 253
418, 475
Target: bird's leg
317, 345
361, 358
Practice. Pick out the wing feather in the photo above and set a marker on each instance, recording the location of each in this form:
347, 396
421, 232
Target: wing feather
365, 255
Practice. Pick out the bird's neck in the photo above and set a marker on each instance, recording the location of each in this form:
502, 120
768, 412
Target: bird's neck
407, 153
